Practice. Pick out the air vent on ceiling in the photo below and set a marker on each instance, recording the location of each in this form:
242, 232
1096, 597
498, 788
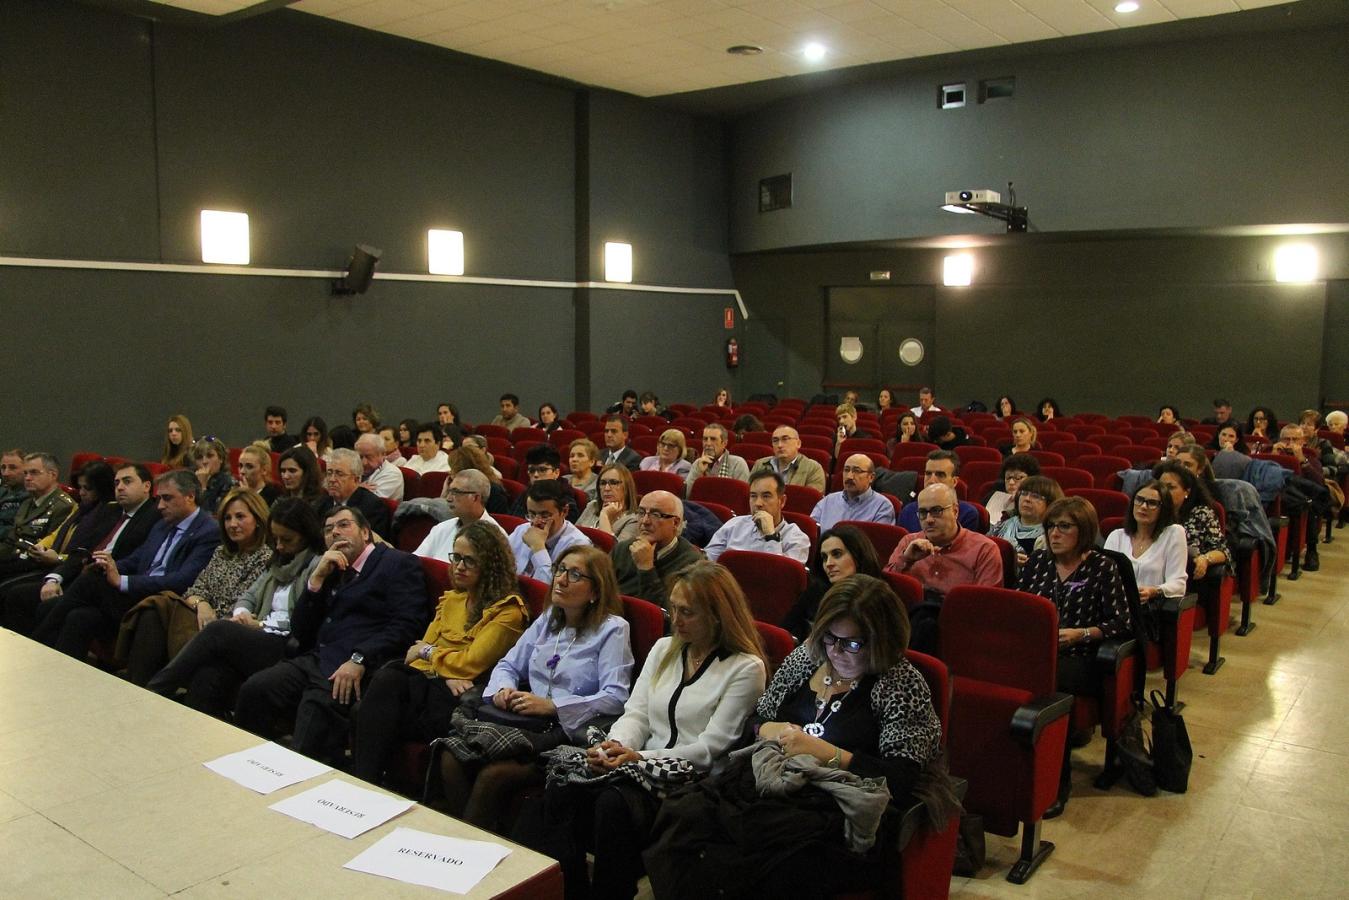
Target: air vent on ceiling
997, 88
775, 193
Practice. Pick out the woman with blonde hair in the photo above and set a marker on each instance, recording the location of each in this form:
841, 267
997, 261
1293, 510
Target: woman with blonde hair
687, 709
209, 460
671, 450
477, 621
156, 628
255, 472
582, 458
177, 442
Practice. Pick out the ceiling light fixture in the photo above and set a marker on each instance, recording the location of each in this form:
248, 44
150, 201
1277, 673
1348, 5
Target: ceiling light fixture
814, 51
744, 50
1295, 263
1126, 6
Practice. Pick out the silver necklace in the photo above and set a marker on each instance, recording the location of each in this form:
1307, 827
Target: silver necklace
816, 728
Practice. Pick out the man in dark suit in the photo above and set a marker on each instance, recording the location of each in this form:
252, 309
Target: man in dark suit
120, 528
177, 549
616, 449
363, 605
342, 481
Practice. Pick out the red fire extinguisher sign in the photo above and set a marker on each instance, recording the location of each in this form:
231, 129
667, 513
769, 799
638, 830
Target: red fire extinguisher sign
728, 317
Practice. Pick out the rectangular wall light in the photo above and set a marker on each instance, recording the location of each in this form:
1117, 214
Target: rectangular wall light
1295, 263
617, 261
224, 237
444, 252
957, 270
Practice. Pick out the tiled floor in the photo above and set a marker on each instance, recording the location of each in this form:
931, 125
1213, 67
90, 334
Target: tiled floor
1267, 812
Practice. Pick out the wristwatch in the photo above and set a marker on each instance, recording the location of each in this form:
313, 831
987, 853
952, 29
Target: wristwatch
358, 658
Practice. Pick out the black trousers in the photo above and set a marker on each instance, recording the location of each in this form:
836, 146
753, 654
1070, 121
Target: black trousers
19, 600
215, 662
89, 609
296, 690
1076, 675
401, 704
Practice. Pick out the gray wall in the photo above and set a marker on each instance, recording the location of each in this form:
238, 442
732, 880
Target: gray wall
1113, 326
117, 132
1216, 132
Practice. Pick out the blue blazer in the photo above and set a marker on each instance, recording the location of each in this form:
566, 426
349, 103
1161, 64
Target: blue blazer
380, 613
185, 563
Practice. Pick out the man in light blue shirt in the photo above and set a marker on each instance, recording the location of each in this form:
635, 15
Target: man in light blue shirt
857, 502
547, 534
764, 529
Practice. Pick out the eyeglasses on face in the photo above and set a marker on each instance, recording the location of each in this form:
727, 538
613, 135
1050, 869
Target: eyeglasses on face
856, 470
668, 445
1031, 495
642, 513
537, 514
1147, 502
1061, 526
571, 575
541, 469
460, 492
925, 512
460, 559
610, 482
847, 645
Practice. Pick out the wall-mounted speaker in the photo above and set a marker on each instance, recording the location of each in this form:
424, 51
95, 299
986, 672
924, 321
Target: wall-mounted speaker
360, 271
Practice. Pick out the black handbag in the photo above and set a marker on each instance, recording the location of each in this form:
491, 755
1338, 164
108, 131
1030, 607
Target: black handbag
1172, 754
487, 711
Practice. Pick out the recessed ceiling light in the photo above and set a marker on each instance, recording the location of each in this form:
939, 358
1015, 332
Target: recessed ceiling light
1126, 6
745, 50
813, 52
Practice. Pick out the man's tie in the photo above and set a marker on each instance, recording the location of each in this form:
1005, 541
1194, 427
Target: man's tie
112, 532
165, 551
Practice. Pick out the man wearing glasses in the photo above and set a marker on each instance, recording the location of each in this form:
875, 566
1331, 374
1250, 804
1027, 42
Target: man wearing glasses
543, 462
467, 496
941, 467
546, 534
764, 529
944, 554
788, 461
646, 564
857, 502
342, 481
716, 459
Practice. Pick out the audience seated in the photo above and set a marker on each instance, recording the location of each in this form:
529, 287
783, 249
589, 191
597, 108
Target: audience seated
208, 459
12, 493
906, 429
509, 417
1168, 414
626, 405
583, 459
615, 510
1086, 588
764, 529
846, 701
476, 623
646, 564
550, 419
301, 478
857, 502
342, 481
670, 451
686, 711
789, 462
365, 419
572, 667
546, 533
1004, 408
1154, 543
927, 404
451, 429
544, 463
1228, 437
1261, 424
844, 551
1026, 530
255, 472
279, 440
649, 405
429, 457
81, 530
170, 558
177, 442
156, 628
1047, 409
941, 432
941, 467
467, 494
616, 449
1206, 543
252, 635
315, 434
378, 475
944, 553
1016, 468
716, 460
1023, 437
1222, 414
361, 606
846, 414
46, 509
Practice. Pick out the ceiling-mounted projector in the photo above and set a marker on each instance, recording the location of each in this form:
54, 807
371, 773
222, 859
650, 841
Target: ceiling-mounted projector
985, 202
984, 196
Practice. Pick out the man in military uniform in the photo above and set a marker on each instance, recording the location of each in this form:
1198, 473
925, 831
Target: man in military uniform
12, 493
45, 510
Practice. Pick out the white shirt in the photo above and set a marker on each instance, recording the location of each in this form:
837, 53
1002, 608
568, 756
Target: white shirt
387, 481
439, 543
742, 533
438, 463
1162, 565
709, 712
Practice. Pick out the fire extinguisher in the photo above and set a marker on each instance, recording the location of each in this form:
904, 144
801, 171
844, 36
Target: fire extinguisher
732, 353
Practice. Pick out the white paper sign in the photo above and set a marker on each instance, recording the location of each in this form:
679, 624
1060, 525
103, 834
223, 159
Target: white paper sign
267, 767
431, 860
342, 808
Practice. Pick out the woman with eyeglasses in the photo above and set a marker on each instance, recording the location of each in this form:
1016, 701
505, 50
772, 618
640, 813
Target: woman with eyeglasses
1001, 500
177, 442
573, 664
615, 509
670, 454
1261, 425
687, 709
477, 621
314, 435
1088, 592
208, 460
1026, 530
1154, 543
844, 552
847, 699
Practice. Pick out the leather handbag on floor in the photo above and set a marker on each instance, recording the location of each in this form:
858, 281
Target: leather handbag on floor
1172, 754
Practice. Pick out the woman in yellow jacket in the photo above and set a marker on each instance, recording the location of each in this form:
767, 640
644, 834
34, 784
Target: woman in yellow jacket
476, 623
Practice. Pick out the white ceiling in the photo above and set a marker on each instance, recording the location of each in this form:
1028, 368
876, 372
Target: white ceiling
656, 47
